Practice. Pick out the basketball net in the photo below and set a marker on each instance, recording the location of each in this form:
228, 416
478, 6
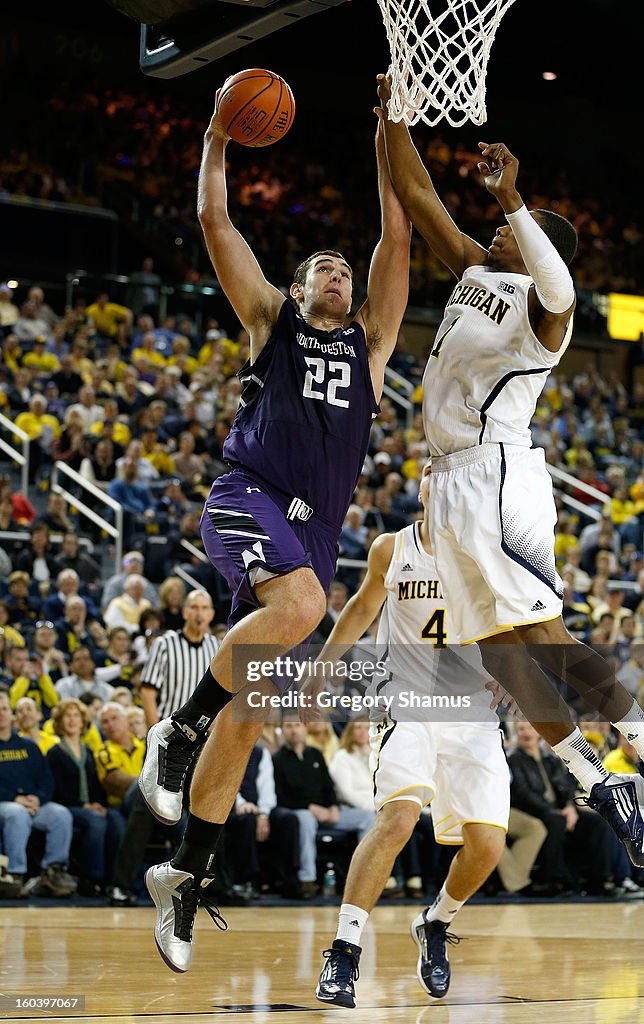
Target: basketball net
439, 61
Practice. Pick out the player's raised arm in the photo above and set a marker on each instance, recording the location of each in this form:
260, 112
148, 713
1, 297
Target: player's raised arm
360, 611
388, 285
354, 619
255, 301
416, 192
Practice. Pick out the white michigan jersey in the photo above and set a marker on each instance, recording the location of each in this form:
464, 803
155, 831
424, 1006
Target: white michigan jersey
487, 367
414, 636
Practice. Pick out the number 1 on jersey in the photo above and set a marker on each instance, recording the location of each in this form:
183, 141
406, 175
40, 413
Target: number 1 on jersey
436, 351
434, 629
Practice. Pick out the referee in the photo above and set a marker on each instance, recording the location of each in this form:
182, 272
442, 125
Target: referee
174, 666
178, 660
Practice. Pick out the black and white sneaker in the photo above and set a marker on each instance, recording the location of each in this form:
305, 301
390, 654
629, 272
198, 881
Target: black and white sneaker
433, 968
339, 973
170, 752
620, 801
177, 896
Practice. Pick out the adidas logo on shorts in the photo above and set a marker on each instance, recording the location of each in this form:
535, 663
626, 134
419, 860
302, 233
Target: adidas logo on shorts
407, 568
538, 606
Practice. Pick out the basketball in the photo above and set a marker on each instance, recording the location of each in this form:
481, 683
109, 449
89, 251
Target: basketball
256, 107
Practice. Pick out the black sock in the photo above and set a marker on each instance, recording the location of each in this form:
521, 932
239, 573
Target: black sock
197, 851
204, 704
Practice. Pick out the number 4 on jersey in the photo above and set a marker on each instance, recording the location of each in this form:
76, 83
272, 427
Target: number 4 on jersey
434, 629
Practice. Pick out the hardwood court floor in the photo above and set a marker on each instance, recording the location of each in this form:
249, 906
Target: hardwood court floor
551, 964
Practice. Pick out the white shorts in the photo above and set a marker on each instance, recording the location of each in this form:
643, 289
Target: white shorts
492, 518
460, 769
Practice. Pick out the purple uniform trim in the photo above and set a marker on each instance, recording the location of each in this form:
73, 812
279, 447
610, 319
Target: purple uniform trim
244, 527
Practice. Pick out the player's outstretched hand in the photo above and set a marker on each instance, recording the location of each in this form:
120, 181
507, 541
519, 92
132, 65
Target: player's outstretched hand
502, 701
384, 95
215, 127
310, 708
499, 168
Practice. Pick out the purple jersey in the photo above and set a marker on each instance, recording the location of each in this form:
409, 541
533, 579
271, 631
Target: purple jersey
305, 415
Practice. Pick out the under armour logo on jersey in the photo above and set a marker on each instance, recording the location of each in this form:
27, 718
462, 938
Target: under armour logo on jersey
407, 568
253, 555
298, 509
538, 606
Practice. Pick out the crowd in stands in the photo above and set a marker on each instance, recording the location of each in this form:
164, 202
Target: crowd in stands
139, 405
137, 154
141, 409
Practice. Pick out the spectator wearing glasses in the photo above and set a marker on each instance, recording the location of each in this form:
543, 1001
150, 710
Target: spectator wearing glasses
43, 647
133, 562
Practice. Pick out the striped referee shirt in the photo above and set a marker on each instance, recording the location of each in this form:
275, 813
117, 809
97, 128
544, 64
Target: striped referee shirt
174, 666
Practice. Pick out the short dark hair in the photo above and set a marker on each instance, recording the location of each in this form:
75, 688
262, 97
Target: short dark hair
299, 277
560, 232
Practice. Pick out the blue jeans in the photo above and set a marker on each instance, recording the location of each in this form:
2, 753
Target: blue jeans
16, 824
100, 837
351, 818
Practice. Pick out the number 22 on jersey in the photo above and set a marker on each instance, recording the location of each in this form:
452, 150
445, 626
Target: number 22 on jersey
317, 375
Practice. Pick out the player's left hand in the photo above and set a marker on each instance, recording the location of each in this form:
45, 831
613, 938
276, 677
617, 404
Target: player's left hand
309, 708
216, 126
502, 701
499, 168
384, 95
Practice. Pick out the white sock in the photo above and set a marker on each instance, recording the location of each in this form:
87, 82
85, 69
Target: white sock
351, 921
444, 908
632, 727
578, 755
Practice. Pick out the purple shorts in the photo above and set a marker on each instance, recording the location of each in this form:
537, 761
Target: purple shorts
252, 533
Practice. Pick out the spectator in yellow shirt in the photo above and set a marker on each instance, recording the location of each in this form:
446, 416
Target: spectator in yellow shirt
43, 362
11, 352
624, 759
214, 343
121, 433
28, 717
28, 679
120, 759
81, 364
181, 355
148, 352
106, 316
42, 431
156, 453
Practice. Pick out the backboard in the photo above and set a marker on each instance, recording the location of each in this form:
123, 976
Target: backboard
182, 44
